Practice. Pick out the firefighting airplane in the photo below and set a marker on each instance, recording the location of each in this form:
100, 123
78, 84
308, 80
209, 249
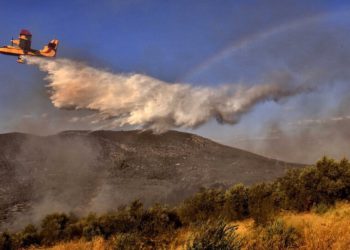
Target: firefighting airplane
22, 47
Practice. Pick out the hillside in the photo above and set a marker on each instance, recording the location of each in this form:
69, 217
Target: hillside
83, 171
307, 208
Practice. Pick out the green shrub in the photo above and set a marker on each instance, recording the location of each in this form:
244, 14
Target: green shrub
136, 211
73, 231
204, 205
236, 202
216, 236
278, 236
127, 241
320, 208
158, 220
6, 242
53, 228
263, 203
29, 236
325, 183
91, 227
112, 223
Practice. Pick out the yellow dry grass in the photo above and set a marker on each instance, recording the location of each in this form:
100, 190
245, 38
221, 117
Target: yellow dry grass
328, 231
95, 244
181, 239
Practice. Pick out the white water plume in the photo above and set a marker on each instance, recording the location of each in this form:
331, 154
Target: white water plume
140, 100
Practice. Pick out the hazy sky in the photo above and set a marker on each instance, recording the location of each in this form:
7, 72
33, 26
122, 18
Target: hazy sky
202, 43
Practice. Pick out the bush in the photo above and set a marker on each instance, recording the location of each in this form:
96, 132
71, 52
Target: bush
128, 241
53, 228
112, 223
29, 236
91, 227
236, 203
217, 236
263, 203
73, 231
326, 182
206, 204
320, 208
280, 236
136, 211
334, 182
158, 220
6, 241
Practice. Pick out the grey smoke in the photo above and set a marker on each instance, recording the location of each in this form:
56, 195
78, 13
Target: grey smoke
319, 55
63, 174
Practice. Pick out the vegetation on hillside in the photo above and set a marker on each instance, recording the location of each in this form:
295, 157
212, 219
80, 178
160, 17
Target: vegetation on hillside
210, 213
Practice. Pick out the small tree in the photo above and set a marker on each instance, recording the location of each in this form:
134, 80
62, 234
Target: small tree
91, 227
206, 204
236, 202
6, 242
262, 203
136, 211
128, 241
29, 236
53, 228
158, 220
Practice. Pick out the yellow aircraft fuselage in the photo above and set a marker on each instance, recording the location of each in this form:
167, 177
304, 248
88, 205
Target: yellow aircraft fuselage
15, 51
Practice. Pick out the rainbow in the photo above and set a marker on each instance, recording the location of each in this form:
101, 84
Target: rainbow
249, 40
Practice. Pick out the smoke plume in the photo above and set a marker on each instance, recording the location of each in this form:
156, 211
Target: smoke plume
143, 101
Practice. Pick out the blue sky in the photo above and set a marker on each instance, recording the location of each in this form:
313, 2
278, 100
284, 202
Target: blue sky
172, 40
161, 38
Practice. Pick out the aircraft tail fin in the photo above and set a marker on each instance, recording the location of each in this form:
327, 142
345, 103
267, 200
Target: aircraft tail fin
50, 50
53, 44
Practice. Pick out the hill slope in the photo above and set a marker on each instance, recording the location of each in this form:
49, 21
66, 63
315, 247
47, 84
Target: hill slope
84, 171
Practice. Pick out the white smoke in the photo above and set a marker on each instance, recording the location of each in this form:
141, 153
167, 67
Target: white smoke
140, 100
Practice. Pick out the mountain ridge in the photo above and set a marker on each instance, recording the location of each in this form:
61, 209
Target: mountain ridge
84, 171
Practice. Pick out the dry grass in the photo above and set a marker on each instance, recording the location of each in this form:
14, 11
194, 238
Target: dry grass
95, 244
181, 239
329, 231
179, 243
